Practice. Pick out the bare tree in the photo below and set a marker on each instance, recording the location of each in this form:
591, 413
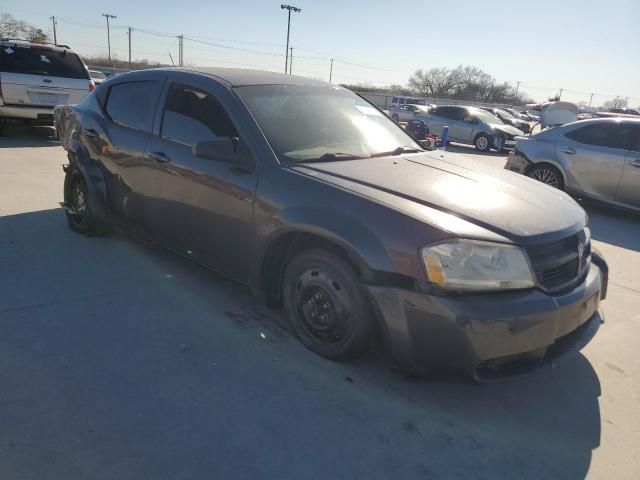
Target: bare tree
10, 27
435, 82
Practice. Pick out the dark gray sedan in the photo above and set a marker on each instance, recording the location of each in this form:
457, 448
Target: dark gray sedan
319, 202
597, 158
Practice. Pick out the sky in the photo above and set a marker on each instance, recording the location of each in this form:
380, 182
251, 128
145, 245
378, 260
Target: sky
582, 47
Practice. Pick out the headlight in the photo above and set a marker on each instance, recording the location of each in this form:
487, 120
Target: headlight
477, 266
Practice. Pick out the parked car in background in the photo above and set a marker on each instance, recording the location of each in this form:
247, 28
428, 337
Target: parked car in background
97, 76
517, 114
625, 111
597, 158
404, 113
472, 126
397, 101
319, 202
36, 77
509, 119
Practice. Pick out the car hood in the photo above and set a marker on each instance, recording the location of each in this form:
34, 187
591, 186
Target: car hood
512, 206
504, 128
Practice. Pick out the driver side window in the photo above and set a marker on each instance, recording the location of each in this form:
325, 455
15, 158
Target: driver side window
191, 115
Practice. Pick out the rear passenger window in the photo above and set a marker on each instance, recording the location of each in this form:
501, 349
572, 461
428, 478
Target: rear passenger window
611, 135
132, 104
192, 116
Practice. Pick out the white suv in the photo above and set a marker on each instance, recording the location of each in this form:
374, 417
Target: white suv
35, 77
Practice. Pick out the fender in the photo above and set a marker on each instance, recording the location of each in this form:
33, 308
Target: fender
80, 160
356, 238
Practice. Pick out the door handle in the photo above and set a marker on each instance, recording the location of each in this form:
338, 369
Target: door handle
89, 132
568, 150
159, 157
635, 162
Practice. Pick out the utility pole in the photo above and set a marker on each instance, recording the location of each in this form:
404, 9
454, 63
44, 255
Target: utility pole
590, 99
517, 88
108, 16
626, 102
129, 34
180, 51
331, 70
290, 60
297, 10
55, 36
615, 105
560, 94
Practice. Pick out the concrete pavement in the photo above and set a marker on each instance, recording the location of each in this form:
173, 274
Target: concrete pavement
122, 361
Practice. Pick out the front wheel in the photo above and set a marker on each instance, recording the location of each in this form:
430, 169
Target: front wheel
482, 143
548, 175
326, 305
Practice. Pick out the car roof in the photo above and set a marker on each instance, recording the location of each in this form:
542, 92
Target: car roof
25, 43
587, 121
236, 77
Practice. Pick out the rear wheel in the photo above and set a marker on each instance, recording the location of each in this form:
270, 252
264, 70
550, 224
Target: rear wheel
549, 175
326, 305
79, 215
395, 118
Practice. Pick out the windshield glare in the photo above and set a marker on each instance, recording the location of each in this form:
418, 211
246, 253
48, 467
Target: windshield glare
485, 116
304, 122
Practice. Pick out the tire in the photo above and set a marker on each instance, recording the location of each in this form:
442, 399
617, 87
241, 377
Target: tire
395, 118
326, 305
76, 197
482, 143
547, 174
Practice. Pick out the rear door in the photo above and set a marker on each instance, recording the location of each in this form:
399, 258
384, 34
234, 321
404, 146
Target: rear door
458, 129
130, 108
40, 76
629, 190
595, 156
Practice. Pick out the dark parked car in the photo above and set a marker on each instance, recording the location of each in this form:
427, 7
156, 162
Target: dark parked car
509, 119
321, 203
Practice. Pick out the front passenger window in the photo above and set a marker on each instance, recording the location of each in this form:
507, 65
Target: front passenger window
192, 116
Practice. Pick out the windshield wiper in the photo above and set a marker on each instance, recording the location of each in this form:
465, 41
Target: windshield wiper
398, 151
332, 157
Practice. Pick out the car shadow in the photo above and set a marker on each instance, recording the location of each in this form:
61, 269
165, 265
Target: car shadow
15, 135
614, 226
130, 348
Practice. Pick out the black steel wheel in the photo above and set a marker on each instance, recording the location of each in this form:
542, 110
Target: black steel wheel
78, 211
326, 305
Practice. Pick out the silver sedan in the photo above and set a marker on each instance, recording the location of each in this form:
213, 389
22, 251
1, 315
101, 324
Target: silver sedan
404, 113
597, 158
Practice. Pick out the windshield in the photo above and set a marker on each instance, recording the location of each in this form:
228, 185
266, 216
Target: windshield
303, 123
505, 114
485, 116
41, 61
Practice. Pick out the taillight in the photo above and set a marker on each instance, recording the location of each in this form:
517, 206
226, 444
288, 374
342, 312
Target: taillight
92, 86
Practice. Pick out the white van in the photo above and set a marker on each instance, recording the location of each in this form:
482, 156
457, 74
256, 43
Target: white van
35, 77
398, 101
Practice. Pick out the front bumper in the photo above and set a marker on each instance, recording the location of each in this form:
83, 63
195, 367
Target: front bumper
516, 162
42, 115
489, 336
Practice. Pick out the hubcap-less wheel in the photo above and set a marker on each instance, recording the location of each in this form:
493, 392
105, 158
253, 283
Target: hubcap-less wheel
79, 199
322, 307
546, 176
482, 143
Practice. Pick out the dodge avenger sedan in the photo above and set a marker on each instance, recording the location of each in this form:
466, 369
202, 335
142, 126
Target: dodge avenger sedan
319, 202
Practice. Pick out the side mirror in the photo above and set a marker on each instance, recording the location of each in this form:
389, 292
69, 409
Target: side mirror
223, 149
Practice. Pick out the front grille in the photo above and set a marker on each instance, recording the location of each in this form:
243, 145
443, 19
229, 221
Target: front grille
559, 264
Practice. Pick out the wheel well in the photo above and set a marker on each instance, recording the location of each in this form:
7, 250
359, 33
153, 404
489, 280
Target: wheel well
548, 165
284, 248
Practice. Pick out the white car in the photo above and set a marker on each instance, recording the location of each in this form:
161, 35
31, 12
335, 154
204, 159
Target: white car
97, 76
35, 77
404, 113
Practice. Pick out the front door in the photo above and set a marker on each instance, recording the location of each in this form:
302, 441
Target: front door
198, 207
629, 190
